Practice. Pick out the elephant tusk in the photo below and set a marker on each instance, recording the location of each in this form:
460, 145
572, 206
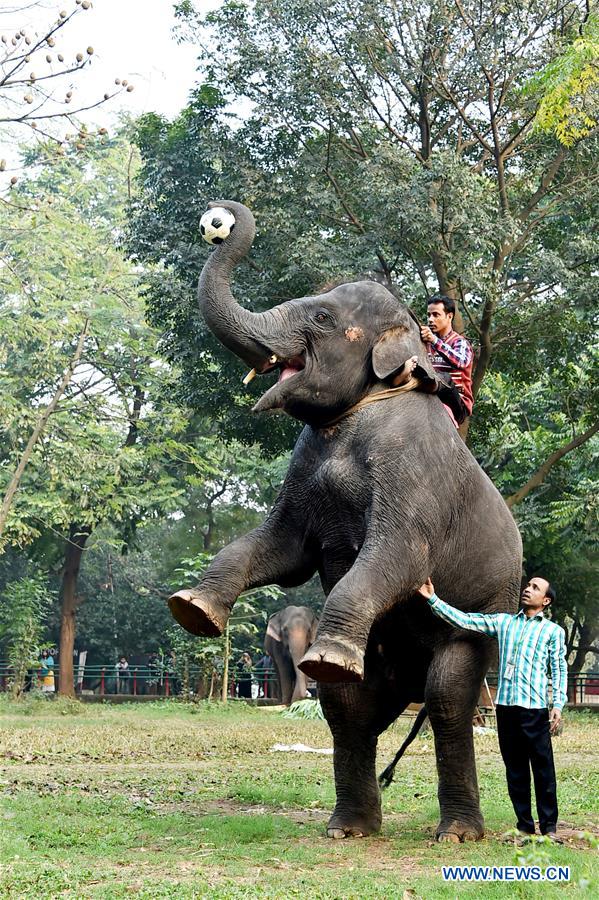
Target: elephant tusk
250, 375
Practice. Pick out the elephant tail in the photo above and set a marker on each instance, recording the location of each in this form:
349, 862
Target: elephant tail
386, 777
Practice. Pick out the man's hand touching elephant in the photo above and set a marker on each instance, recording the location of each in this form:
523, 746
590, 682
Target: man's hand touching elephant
427, 589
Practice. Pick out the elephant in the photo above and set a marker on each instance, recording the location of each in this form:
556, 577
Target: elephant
289, 633
381, 493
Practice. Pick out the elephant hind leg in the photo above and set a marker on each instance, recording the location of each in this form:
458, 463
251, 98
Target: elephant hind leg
452, 690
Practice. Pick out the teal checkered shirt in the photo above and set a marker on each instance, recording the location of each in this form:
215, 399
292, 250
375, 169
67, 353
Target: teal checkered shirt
529, 644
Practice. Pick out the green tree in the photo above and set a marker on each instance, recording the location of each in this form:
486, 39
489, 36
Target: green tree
404, 143
23, 610
107, 446
386, 140
517, 429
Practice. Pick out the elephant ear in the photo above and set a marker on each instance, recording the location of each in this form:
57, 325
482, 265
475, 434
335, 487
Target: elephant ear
273, 628
390, 353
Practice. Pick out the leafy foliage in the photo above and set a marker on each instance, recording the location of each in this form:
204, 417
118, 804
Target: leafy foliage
569, 88
304, 709
245, 625
23, 608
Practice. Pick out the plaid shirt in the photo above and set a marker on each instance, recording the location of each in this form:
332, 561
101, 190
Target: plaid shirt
528, 644
453, 356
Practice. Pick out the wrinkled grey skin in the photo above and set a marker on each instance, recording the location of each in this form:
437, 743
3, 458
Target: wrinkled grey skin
289, 633
375, 503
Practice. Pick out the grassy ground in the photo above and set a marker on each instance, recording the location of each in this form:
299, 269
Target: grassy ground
166, 800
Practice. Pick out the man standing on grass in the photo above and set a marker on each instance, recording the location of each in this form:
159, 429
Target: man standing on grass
528, 643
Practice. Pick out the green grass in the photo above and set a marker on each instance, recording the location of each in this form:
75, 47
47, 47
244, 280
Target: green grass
176, 801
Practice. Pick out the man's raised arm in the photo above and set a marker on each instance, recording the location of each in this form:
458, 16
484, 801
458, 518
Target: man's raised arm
484, 624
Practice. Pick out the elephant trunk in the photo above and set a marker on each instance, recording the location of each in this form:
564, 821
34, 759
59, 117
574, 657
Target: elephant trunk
298, 644
243, 332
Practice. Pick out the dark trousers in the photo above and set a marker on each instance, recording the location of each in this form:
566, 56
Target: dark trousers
525, 743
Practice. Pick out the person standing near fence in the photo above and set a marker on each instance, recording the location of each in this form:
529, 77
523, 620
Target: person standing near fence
122, 676
264, 671
528, 644
244, 676
47, 673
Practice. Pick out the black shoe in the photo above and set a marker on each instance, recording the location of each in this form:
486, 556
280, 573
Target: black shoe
553, 837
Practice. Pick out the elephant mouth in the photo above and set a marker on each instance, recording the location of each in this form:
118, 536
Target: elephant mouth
288, 367
277, 395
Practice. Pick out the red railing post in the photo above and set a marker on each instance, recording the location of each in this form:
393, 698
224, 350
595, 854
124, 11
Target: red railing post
265, 684
102, 683
135, 682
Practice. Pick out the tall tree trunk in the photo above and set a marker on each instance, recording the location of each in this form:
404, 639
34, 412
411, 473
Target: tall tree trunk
77, 539
588, 635
226, 654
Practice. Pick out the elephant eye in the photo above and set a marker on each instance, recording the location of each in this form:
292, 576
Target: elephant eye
321, 317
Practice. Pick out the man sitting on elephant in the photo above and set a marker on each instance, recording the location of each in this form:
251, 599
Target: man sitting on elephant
450, 353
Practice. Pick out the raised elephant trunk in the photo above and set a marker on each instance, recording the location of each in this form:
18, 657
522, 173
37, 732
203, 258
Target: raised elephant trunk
245, 333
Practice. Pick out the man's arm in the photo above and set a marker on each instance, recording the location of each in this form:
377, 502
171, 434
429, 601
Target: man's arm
460, 355
559, 676
484, 624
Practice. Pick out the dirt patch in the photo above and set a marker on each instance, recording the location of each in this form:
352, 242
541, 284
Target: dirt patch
573, 836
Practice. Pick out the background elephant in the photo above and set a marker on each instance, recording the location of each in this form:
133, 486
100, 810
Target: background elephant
381, 493
289, 633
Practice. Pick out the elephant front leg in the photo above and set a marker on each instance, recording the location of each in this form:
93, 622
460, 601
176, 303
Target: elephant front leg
452, 690
268, 555
369, 589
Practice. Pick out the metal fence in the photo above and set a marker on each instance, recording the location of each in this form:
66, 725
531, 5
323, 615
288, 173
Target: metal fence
150, 681
582, 688
105, 681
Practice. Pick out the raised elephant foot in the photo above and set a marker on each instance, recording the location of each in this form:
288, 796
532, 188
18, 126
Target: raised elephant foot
331, 659
199, 612
456, 832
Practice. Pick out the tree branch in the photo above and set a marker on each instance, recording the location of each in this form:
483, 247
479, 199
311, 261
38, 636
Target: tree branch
541, 474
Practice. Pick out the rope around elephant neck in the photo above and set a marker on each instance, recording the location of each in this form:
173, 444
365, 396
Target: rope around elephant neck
373, 398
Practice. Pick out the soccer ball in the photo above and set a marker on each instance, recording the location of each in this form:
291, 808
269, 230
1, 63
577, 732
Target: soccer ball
216, 225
